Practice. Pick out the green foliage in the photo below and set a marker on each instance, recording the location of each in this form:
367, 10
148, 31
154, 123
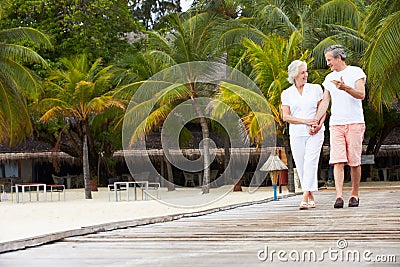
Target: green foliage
150, 12
96, 28
382, 59
18, 85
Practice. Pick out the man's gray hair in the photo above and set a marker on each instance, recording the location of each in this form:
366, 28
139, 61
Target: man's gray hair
293, 69
337, 50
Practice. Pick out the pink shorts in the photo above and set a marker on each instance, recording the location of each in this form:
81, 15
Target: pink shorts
346, 143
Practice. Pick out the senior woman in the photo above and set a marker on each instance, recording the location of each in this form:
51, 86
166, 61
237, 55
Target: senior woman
299, 106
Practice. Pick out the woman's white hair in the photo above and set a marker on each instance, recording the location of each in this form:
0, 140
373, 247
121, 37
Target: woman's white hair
293, 69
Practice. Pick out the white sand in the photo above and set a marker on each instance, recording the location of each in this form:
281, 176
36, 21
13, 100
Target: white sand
32, 218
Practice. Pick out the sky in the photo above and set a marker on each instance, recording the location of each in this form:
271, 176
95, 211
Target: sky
186, 4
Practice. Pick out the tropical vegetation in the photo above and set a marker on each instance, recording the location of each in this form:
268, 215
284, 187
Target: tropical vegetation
75, 64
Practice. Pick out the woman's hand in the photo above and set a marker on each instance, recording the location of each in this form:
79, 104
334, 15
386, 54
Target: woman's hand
314, 129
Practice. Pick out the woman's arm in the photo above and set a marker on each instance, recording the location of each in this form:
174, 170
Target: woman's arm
294, 120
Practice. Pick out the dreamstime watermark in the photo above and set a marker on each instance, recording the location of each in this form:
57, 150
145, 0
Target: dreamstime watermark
339, 254
183, 94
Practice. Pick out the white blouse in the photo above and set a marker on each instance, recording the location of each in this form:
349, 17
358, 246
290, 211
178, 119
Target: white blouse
302, 106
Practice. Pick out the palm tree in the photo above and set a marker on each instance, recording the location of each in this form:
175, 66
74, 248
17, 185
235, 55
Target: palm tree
18, 85
77, 95
381, 59
188, 40
139, 67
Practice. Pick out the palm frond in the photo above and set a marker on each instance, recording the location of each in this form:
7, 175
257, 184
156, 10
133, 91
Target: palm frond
382, 61
230, 34
255, 100
276, 17
228, 100
137, 125
101, 103
318, 51
53, 112
292, 46
173, 93
158, 42
20, 78
25, 33
163, 57
343, 12
127, 91
48, 103
14, 115
20, 53
260, 126
83, 93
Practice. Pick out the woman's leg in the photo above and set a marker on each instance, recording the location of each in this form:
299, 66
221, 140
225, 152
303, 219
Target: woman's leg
298, 145
311, 159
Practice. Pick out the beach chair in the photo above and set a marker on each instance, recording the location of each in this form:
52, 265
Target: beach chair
154, 186
57, 179
57, 188
213, 178
189, 179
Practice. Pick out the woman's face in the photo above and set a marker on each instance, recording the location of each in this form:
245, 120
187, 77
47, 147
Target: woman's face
301, 77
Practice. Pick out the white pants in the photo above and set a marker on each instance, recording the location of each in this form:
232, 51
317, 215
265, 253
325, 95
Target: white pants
306, 151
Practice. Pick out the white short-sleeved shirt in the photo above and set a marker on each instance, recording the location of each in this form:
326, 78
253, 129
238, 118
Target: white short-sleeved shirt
345, 109
302, 106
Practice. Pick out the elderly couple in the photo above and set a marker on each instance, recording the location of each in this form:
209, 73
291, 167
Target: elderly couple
304, 107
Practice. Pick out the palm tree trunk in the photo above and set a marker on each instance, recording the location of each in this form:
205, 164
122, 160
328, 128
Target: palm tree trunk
86, 168
227, 157
206, 135
171, 185
207, 163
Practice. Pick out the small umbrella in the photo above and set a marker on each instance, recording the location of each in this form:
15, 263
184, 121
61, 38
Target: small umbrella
273, 165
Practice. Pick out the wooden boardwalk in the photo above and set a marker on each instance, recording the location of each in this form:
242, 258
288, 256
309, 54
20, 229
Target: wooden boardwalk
276, 233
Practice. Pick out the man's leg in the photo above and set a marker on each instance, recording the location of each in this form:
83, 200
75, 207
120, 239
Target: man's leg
338, 174
354, 138
355, 180
338, 158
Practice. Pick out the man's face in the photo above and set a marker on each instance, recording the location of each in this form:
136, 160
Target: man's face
333, 63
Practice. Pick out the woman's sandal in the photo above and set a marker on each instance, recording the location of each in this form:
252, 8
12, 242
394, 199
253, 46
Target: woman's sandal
311, 204
303, 205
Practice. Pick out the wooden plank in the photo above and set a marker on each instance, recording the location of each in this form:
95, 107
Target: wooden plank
235, 237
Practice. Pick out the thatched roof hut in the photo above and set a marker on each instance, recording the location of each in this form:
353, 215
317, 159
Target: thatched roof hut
33, 149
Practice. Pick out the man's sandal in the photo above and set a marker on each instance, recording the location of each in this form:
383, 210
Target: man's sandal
311, 204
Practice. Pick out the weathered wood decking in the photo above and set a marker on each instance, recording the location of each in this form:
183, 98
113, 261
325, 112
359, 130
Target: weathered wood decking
273, 233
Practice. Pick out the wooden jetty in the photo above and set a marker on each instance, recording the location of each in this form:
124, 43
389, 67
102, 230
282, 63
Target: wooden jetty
275, 233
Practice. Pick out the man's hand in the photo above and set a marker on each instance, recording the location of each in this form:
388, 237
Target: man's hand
339, 84
358, 92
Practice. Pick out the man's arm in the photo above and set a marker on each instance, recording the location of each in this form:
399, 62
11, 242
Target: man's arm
358, 92
323, 106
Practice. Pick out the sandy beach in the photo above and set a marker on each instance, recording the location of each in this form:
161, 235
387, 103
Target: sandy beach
36, 218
